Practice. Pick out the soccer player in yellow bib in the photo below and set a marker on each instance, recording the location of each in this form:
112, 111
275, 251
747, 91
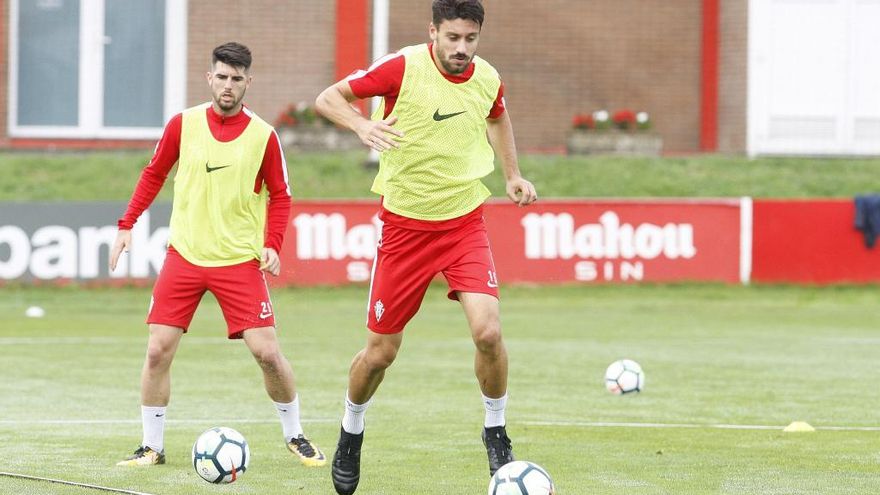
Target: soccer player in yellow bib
231, 205
439, 104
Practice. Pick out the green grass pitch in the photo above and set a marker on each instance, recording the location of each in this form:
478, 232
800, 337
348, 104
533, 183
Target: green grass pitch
727, 368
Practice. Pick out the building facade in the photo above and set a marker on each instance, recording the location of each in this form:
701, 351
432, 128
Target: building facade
95, 73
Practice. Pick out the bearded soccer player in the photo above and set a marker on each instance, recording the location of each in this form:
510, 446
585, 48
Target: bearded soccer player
439, 102
231, 182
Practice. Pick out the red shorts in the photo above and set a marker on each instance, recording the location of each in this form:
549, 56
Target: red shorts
407, 260
240, 290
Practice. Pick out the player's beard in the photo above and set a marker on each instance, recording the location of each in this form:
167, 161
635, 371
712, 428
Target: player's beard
227, 105
451, 69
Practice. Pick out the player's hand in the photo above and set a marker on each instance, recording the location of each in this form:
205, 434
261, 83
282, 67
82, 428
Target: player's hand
521, 191
120, 245
379, 134
271, 262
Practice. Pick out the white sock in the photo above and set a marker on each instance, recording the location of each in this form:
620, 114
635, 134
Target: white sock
494, 411
353, 420
153, 419
289, 414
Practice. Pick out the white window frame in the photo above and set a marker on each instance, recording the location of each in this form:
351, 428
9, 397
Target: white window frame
91, 76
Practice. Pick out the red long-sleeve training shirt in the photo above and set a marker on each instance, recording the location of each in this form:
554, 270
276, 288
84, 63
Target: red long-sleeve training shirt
273, 172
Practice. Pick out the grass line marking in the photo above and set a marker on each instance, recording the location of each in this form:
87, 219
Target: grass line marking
578, 424
605, 424
72, 483
24, 422
10, 341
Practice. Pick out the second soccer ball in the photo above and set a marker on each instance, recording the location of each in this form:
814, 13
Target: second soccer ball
624, 376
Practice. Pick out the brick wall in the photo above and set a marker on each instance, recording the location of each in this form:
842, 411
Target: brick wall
556, 57
561, 57
292, 46
293, 49
733, 76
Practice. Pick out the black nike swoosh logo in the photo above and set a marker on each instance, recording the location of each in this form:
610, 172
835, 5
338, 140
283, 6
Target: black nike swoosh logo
210, 169
439, 117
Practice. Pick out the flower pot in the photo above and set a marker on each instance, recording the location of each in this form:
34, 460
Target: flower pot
613, 142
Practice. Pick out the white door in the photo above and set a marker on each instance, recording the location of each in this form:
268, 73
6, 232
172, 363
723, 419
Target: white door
814, 77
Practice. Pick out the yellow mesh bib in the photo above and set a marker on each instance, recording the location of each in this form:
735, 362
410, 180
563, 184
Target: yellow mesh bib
216, 218
435, 173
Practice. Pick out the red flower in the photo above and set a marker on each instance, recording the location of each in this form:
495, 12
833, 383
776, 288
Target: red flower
624, 119
583, 121
287, 117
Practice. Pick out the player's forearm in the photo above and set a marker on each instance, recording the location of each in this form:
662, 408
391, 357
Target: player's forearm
148, 187
274, 174
500, 133
276, 222
155, 173
334, 105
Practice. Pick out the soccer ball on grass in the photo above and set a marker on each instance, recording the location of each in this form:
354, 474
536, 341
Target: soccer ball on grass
624, 376
220, 455
521, 478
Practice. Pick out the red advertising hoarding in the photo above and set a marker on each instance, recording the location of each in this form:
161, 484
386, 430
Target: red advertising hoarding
557, 241
811, 241
552, 241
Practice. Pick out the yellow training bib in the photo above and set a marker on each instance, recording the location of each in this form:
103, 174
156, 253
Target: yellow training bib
435, 173
216, 218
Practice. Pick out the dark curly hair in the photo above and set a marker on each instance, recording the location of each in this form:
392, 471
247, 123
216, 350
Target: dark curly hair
448, 10
232, 54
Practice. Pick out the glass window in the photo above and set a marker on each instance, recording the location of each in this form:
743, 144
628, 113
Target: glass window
105, 69
134, 57
48, 62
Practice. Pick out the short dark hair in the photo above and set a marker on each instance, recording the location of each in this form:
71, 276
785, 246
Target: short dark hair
232, 54
448, 10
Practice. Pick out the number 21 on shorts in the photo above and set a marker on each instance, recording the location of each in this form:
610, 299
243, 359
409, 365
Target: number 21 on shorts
265, 309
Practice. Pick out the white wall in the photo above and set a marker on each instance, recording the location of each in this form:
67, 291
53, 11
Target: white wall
814, 77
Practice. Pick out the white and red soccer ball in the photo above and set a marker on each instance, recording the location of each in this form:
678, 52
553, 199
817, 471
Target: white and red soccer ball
624, 376
220, 455
521, 478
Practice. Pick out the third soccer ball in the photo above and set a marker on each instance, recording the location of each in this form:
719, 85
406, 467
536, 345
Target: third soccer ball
220, 455
521, 478
624, 376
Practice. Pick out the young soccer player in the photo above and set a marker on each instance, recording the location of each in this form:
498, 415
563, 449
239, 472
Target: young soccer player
439, 103
229, 167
